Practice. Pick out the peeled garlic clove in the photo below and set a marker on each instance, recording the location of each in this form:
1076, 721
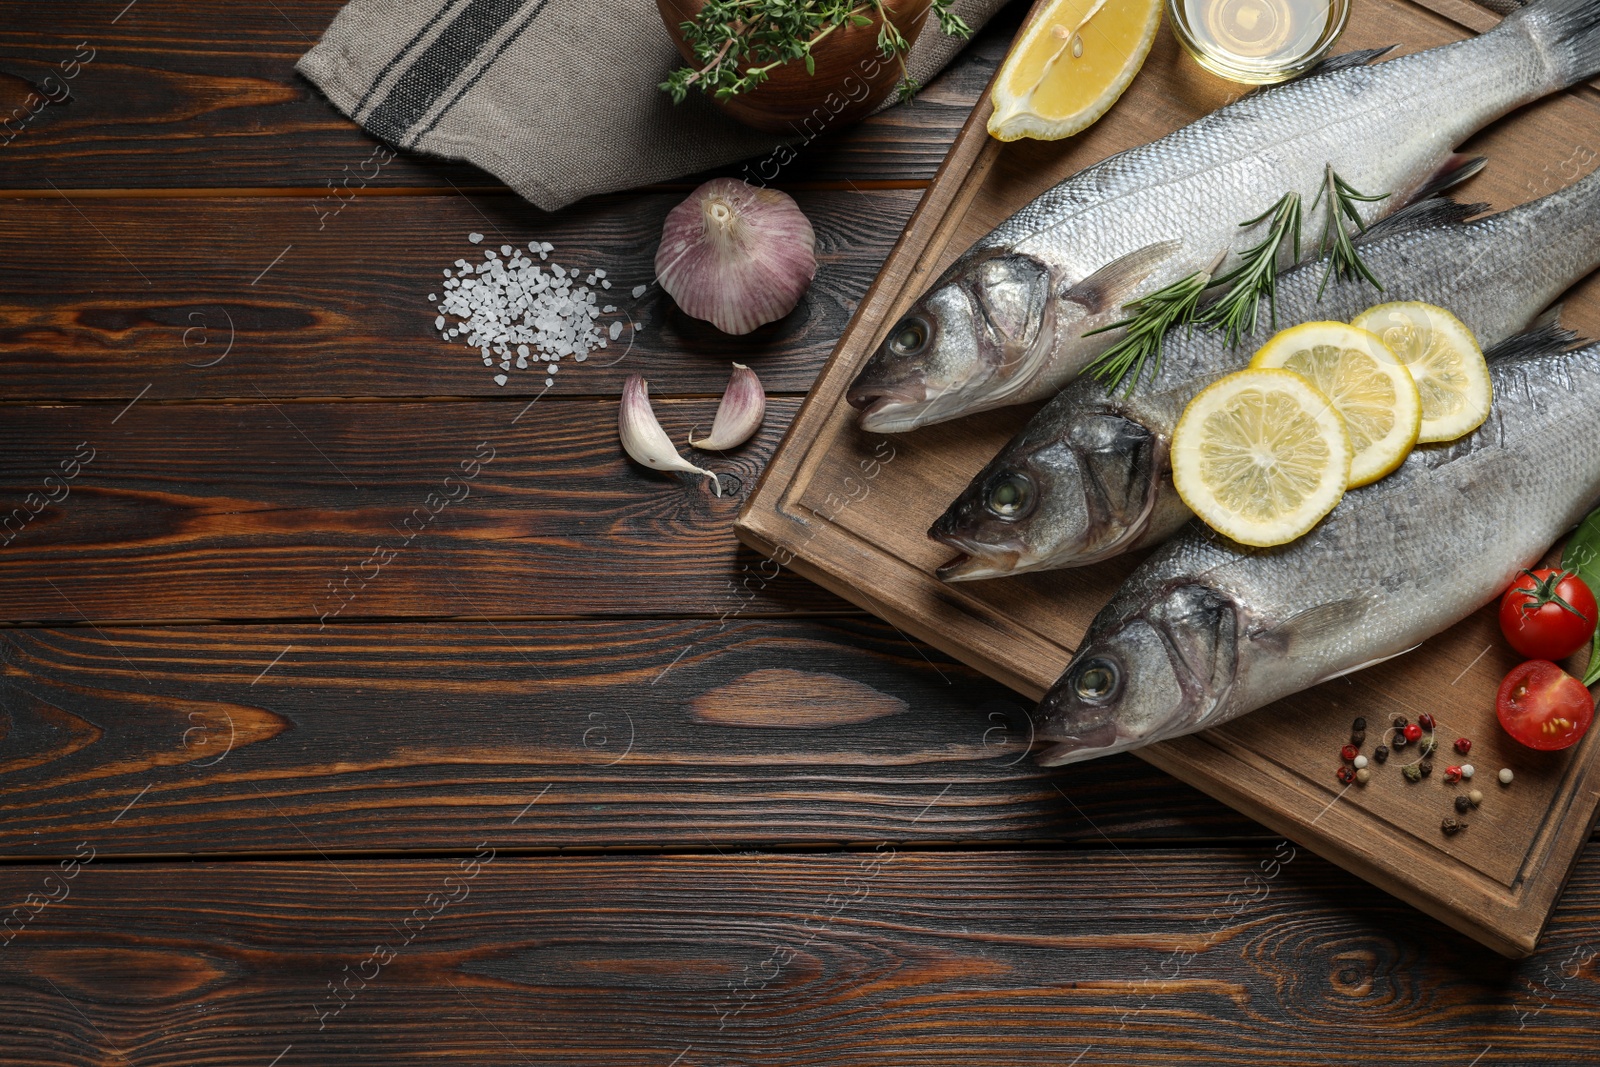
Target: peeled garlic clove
644, 439
739, 415
736, 255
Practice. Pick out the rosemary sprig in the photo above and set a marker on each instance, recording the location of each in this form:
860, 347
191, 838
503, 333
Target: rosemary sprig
1236, 312
1343, 259
737, 43
1152, 316
1257, 273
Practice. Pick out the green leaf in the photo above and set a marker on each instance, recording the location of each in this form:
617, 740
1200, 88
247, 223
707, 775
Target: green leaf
1581, 556
811, 64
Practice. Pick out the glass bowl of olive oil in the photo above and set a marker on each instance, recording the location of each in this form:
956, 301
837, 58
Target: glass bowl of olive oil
1258, 41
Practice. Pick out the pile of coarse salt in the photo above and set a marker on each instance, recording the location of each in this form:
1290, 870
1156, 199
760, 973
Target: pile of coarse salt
512, 310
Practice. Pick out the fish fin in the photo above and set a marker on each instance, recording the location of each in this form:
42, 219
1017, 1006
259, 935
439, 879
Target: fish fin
1112, 284
1543, 338
1330, 65
1364, 666
1422, 215
1345, 60
1456, 168
1336, 616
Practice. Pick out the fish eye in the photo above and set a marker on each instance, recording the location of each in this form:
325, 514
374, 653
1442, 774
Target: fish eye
1010, 497
909, 336
1096, 680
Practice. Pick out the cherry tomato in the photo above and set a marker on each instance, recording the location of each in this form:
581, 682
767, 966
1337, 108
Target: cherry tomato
1543, 706
1547, 614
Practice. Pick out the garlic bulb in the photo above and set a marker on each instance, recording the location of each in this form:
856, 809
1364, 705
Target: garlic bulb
740, 413
644, 439
736, 255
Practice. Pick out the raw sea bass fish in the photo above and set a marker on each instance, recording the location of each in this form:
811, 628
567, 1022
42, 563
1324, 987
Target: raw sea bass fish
1089, 476
1207, 630
1005, 324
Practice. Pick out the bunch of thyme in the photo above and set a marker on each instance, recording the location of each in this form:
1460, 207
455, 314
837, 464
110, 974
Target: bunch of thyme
737, 43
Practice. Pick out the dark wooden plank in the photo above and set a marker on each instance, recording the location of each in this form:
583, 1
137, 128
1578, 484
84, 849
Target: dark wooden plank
185, 95
204, 95
1144, 959
661, 733
104, 297
339, 510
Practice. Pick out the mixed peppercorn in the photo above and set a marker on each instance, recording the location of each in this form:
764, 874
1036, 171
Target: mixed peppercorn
1356, 768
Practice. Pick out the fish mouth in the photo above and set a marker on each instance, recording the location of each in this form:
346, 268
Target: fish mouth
888, 412
1102, 740
966, 568
973, 561
866, 394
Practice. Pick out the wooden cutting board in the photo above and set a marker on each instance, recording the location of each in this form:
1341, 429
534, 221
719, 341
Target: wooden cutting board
849, 510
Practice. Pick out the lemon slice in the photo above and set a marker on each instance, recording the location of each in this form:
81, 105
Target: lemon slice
1365, 380
1069, 66
1261, 456
1445, 361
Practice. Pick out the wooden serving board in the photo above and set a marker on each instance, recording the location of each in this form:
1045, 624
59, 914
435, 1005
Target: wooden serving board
849, 510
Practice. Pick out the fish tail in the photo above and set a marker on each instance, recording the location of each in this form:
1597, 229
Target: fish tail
1566, 34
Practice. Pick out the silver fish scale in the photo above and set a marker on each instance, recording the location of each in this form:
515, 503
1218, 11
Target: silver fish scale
1402, 559
1201, 181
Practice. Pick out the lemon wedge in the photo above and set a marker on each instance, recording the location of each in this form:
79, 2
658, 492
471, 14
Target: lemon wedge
1444, 359
1367, 383
1261, 456
1069, 66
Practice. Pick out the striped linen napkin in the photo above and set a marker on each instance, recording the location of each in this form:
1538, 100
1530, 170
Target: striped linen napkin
557, 98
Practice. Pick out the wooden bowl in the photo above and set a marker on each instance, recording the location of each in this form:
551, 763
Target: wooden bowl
852, 77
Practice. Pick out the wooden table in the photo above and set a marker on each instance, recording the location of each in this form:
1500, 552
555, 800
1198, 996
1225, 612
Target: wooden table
570, 779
